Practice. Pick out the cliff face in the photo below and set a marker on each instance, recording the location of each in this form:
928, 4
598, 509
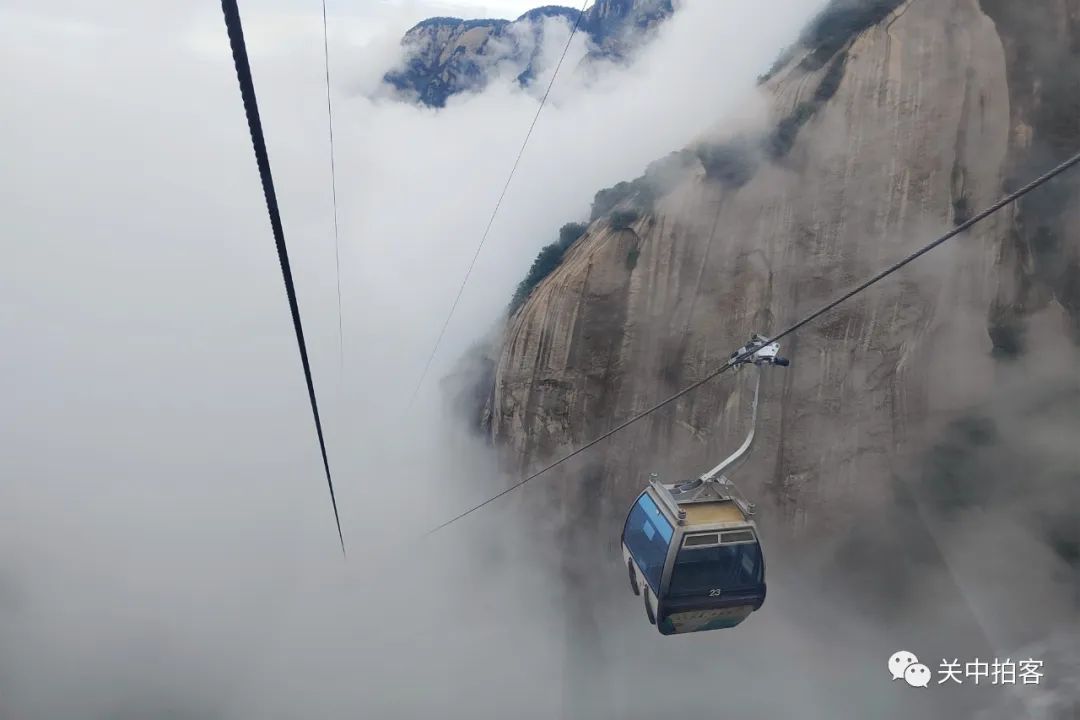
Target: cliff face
884, 136
447, 56
617, 26
439, 54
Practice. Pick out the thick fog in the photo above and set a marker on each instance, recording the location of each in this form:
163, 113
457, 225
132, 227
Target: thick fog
167, 547
166, 542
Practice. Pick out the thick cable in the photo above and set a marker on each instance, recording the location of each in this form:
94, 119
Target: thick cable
737, 358
258, 141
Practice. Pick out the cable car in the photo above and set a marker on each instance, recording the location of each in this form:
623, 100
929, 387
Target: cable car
692, 549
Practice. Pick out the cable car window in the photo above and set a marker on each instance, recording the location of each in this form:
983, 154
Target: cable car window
723, 567
647, 534
696, 540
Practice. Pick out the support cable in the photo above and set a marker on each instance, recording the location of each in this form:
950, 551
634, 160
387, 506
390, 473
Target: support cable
737, 357
498, 204
258, 141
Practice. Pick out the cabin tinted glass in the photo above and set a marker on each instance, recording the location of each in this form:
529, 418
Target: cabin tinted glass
647, 535
697, 540
698, 571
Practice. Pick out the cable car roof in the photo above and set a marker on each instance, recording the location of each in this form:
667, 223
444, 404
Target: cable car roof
701, 503
713, 513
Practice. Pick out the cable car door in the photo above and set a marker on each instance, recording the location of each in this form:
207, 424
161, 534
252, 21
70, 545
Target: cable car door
646, 539
713, 585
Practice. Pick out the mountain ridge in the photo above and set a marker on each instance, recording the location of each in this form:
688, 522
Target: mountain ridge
447, 56
896, 134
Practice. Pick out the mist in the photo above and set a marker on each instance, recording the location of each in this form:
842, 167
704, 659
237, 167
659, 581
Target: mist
166, 542
167, 547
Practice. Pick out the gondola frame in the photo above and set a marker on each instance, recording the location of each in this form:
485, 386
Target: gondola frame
660, 617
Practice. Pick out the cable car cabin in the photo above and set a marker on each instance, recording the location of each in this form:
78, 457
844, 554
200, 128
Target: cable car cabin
692, 549
703, 571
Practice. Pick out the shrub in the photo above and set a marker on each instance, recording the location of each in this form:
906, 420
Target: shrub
571, 233
732, 163
606, 200
840, 21
830, 82
783, 137
549, 258
642, 192
961, 209
778, 64
623, 219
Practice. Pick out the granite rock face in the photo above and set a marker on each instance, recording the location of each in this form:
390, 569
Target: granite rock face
446, 56
888, 129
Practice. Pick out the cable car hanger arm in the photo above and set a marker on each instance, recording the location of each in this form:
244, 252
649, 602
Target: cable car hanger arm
759, 354
979, 217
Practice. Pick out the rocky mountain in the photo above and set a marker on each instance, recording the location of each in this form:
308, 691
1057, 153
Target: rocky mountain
893, 120
446, 56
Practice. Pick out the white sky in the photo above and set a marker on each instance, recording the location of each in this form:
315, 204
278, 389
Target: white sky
166, 543
405, 13
165, 534
477, 8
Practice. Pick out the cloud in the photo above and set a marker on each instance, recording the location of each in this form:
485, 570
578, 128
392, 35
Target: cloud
166, 543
